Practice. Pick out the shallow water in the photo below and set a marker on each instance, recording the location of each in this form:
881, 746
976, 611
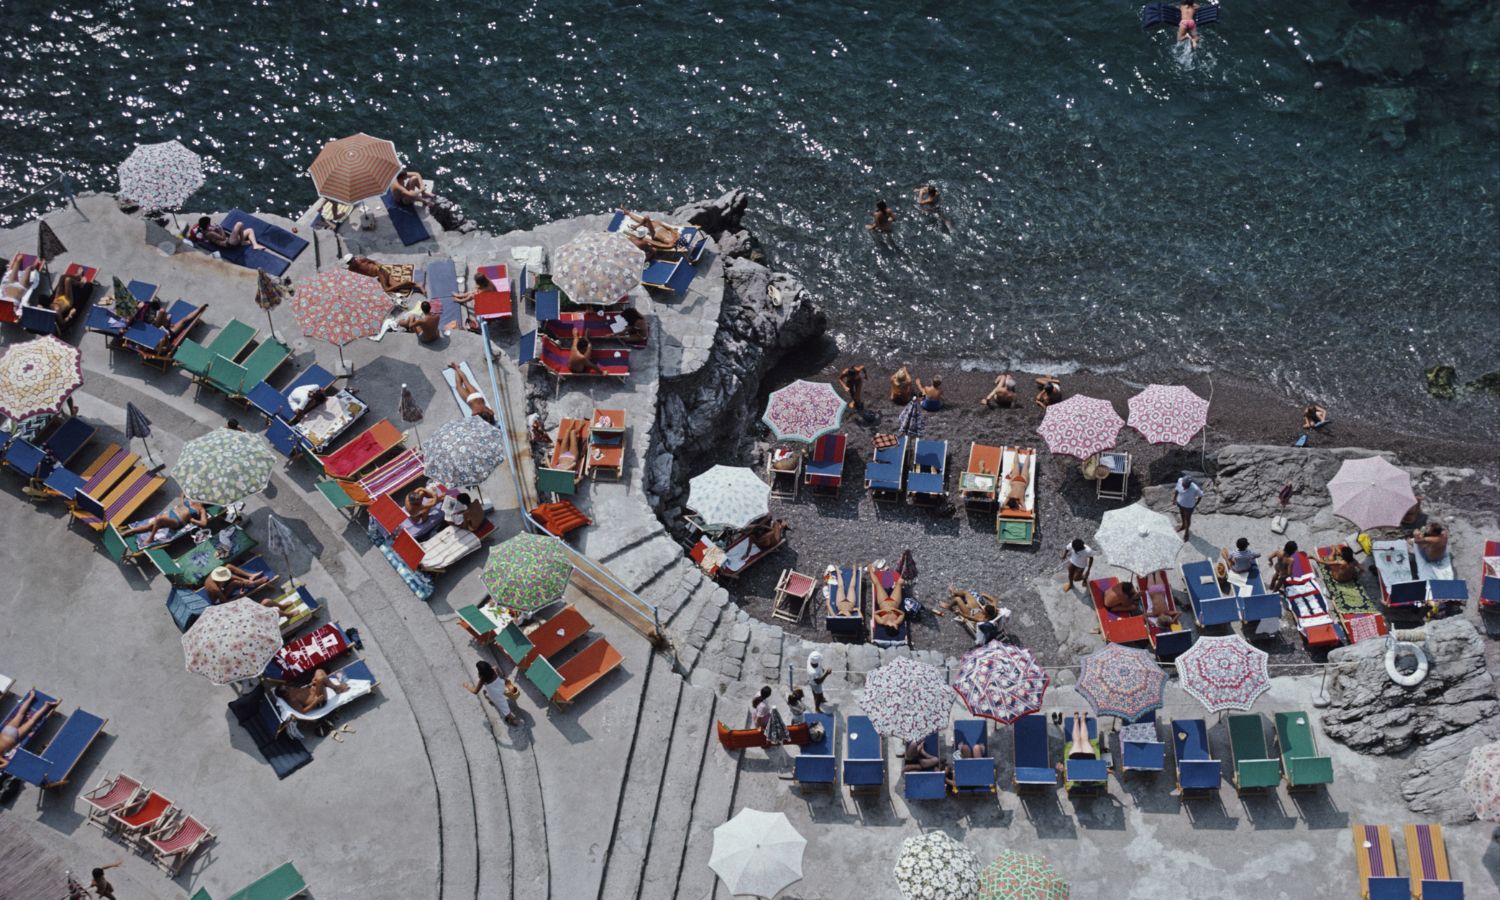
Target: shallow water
1108, 200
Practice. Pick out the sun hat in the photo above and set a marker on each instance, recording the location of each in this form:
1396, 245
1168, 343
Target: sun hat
221, 574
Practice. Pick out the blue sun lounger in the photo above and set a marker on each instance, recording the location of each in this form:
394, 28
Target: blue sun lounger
51, 766
273, 403
185, 606
1140, 752
885, 474
101, 319
1210, 605
273, 237
816, 763
26, 458
864, 757
973, 775
442, 284
248, 257
405, 220
927, 479
669, 275
1033, 759
37, 703
68, 439
850, 626
1197, 770
926, 785
1087, 775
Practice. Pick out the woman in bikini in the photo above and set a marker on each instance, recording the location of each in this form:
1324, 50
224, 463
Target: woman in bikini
887, 605
1079, 745
570, 446
473, 397
19, 725
222, 238
1017, 481
183, 512
1187, 27
847, 605
966, 607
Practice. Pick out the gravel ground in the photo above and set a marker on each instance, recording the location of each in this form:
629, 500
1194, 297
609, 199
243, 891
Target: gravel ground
960, 547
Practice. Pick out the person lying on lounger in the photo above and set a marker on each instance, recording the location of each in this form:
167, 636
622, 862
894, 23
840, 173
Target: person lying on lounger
227, 582
888, 608
19, 280
1165, 616
1432, 541
768, 537
1016, 483
71, 294
409, 189
845, 600
420, 502
963, 750
207, 232
570, 445
967, 607
1343, 568
474, 398
657, 235
1121, 599
19, 725
1079, 745
1003, 394
183, 512
304, 400
312, 695
1049, 391
579, 361
917, 759
364, 265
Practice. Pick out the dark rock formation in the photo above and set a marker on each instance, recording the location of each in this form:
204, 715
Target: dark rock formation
716, 217
1442, 382
448, 214
1381, 47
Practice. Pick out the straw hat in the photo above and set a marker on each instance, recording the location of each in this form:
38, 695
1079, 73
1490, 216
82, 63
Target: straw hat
222, 575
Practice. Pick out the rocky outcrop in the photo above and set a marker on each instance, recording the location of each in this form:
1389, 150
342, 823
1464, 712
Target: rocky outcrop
450, 215
717, 217
1247, 479
1381, 47
1431, 789
1372, 714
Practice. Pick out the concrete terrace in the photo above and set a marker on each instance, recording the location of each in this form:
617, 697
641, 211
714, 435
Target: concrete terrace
615, 797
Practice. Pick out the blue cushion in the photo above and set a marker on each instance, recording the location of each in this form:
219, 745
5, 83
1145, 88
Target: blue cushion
63, 481
1198, 774
826, 745
1389, 887
38, 320
1449, 589
1144, 757
815, 769
275, 237
1407, 593
67, 440
969, 774
864, 740
25, 457
1031, 750
407, 223
864, 772
1087, 770
1034, 775
925, 786
102, 319
1260, 606
1442, 890
186, 606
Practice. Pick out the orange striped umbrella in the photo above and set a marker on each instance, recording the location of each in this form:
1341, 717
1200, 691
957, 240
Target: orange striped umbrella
350, 169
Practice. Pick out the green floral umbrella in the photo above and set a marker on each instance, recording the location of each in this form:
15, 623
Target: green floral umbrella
934, 866
1021, 876
224, 466
527, 572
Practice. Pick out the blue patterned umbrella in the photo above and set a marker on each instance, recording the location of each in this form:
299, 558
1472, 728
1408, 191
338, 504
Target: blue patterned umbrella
1122, 681
464, 452
1001, 682
906, 699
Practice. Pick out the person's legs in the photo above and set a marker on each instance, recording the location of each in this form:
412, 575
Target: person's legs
1080, 736
881, 597
20, 710
35, 719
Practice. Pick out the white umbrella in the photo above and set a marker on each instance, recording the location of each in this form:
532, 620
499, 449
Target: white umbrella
728, 496
1139, 539
757, 853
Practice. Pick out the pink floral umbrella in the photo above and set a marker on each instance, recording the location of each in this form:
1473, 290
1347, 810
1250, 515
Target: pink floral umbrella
1224, 672
339, 306
1001, 682
1168, 414
1371, 492
1481, 781
232, 641
804, 411
1080, 426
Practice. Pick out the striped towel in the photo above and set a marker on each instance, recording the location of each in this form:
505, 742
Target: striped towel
400, 471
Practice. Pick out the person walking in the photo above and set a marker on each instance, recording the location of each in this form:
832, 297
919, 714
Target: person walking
815, 676
100, 884
852, 379
497, 690
1080, 558
1188, 493
760, 709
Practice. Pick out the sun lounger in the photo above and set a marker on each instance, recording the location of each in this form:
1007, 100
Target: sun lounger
562, 684
847, 627
741, 554
1299, 752
559, 518
578, 464
39, 319
926, 785
1167, 15
362, 452
1254, 767
1309, 606
51, 765
1211, 606
38, 701
1032, 755
183, 316
1114, 466
596, 325
785, 480
825, 466
102, 474
1197, 770
671, 275
442, 284
247, 257
495, 305
405, 219
232, 340
973, 775
793, 596
883, 635
281, 883
273, 237
1357, 613
25, 458
286, 440
864, 756
484, 629
1141, 747
611, 362
356, 674
300, 609
816, 762
606, 445
1117, 628
175, 842
980, 483
134, 547
1017, 525
393, 474
1259, 611
235, 380
273, 403
452, 379
298, 659
185, 606
1427, 857
1086, 775
1489, 576
69, 438
885, 476
117, 506
109, 795
42, 319
193, 358
1166, 641
101, 319
1396, 571
1375, 858
927, 474
139, 818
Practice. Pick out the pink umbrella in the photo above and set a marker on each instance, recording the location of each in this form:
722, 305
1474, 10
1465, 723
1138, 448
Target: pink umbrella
1168, 414
804, 411
339, 306
1080, 426
1224, 672
1371, 492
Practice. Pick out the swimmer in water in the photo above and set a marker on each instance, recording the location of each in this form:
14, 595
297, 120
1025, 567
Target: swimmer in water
1187, 28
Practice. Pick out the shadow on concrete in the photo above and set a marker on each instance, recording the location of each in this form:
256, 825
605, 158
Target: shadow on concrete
1265, 812
1208, 813
1047, 816
1317, 809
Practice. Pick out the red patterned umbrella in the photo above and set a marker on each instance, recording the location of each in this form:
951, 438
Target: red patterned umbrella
1001, 682
350, 169
1168, 414
1080, 426
804, 411
1224, 672
339, 306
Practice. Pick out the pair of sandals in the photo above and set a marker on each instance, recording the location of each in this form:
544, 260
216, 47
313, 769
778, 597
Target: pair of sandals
338, 732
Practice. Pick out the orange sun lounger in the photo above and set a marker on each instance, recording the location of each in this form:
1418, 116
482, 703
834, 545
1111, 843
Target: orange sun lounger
355, 456
606, 447
980, 482
1117, 629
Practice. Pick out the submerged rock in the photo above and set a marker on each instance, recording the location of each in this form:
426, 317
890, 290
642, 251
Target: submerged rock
1381, 47
1442, 382
1489, 381
1390, 112
716, 216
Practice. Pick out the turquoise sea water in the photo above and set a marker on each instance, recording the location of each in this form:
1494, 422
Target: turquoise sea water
1108, 200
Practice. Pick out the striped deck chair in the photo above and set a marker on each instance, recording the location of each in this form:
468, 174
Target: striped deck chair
1427, 857
393, 475
119, 504
1375, 857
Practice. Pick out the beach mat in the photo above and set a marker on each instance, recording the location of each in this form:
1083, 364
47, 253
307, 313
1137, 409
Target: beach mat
453, 386
407, 222
276, 238
285, 753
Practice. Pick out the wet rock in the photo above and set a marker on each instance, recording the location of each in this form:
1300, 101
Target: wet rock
450, 215
717, 216
1381, 47
1442, 382
1489, 381
739, 244
1390, 112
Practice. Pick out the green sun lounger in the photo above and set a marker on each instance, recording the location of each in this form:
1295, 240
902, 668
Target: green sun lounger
1299, 752
193, 358
281, 883
1254, 767
263, 362
225, 375
232, 339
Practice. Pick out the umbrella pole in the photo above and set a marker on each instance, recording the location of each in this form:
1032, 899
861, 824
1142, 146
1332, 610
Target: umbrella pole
271, 325
147, 444
417, 430
344, 368
286, 561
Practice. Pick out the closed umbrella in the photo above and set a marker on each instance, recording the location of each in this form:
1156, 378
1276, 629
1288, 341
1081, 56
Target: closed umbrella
1122, 681
1139, 539
138, 426
728, 496
1001, 682
280, 541
933, 866
232, 641
804, 411
527, 572
1080, 426
269, 293
354, 168
910, 421
1371, 492
224, 466
1021, 876
1224, 672
48, 245
411, 413
906, 699
339, 306
1481, 781
464, 452
160, 176
1168, 414
37, 376
597, 268
757, 853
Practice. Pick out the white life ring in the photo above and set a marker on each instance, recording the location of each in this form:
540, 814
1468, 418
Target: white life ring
1394, 651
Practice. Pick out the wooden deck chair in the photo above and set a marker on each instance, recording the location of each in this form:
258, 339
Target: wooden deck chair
979, 484
1427, 858
109, 795
1375, 859
825, 465
175, 842
363, 451
793, 596
784, 472
1015, 521
606, 444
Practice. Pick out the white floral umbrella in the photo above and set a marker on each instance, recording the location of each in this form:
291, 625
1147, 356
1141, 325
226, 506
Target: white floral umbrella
597, 267
464, 452
728, 496
934, 866
232, 641
757, 853
1224, 672
906, 699
36, 376
224, 466
160, 176
1168, 414
1371, 492
1482, 781
1139, 539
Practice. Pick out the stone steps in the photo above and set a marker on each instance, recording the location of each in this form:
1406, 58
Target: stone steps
711, 807
692, 737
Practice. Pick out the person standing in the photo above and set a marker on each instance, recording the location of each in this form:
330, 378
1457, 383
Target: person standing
852, 379
497, 690
100, 884
760, 709
1188, 493
1281, 565
796, 706
815, 677
1080, 558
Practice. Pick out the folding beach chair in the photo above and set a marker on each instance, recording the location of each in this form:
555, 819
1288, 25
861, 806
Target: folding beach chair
137, 819
1427, 858
232, 340
109, 795
816, 763
1375, 859
585, 669
864, 756
363, 451
1085, 776
257, 368
1117, 628
927, 476
976, 774
175, 842
882, 635
68, 439
281, 883
406, 220
1309, 605
1254, 767
1141, 747
1032, 755
671, 275
1016, 523
785, 480
1299, 752
273, 403
182, 316
1197, 770
1489, 576
793, 596
825, 467
742, 553
926, 785
1115, 483
1211, 606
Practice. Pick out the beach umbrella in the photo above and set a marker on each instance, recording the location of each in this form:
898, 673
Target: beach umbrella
1371, 492
597, 267
1481, 781
1080, 426
527, 572
933, 866
411, 413
728, 496
906, 567
1138, 538
804, 411
268, 295
1224, 672
339, 306
757, 853
1001, 682
464, 452
280, 541
906, 699
36, 376
232, 641
910, 421
224, 466
1168, 414
160, 176
1122, 681
138, 426
48, 245
1021, 876
354, 168
122, 301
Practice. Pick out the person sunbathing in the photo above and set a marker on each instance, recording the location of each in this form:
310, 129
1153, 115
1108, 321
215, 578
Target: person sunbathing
18, 280
570, 445
917, 759
769, 537
1187, 26
472, 396
901, 386
463, 511
314, 694
932, 394
1121, 599
1003, 394
71, 294
579, 360
230, 581
963, 750
658, 235
208, 232
19, 725
1314, 416
183, 512
1049, 391
1343, 568
967, 607
843, 599
1432, 541
637, 329
420, 502
482, 284
409, 189
153, 312
364, 265
1017, 481
888, 611
1079, 745
1162, 612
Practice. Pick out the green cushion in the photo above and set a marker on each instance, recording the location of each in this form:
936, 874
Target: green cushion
278, 884
1308, 770
515, 643
164, 562
545, 678
227, 376
557, 481
335, 494
114, 545
1256, 773
264, 360
1295, 734
1012, 531
193, 357
232, 339
476, 620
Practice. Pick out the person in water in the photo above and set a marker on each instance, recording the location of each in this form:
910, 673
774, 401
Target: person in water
1187, 27
885, 217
